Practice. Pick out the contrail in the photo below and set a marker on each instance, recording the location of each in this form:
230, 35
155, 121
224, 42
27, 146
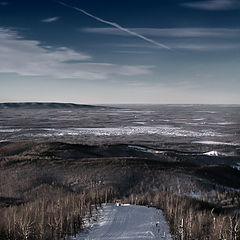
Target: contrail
117, 26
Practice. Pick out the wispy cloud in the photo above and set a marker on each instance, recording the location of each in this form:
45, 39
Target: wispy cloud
133, 52
212, 39
171, 32
206, 46
213, 5
186, 46
3, 3
119, 27
49, 20
30, 58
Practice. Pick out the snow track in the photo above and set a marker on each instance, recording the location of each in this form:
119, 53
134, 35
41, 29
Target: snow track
128, 222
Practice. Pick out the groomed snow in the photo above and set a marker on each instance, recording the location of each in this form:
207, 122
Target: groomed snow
128, 222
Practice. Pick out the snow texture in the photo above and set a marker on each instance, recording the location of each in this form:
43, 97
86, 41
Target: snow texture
212, 153
216, 143
128, 222
144, 149
125, 131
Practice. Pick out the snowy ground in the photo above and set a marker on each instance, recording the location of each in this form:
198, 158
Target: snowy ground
128, 222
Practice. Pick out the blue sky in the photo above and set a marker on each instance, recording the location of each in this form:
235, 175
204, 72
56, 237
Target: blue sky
105, 51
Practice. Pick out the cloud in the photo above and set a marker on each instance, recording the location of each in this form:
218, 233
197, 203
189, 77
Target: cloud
171, 32
196, 39
117, 26
133, 52
187, 46
49, 20
30, 58
206, 46
3, 3
213, 5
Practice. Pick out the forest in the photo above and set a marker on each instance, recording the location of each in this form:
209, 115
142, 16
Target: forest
48, 190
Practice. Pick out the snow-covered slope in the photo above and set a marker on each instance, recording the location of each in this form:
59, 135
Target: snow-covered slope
212, 153
216, 153
128, 222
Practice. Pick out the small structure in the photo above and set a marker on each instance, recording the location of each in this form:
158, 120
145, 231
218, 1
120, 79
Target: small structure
118, 202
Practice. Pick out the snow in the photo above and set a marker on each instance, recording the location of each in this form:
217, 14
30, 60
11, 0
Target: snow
216, 143
10, 130
217, 153
127, 222
237, 166
212, 153
198, 119
223, 123
127, 131
140, 123
206, 112
144, 149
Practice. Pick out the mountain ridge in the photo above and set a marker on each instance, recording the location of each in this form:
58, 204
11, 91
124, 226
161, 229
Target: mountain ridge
44, 105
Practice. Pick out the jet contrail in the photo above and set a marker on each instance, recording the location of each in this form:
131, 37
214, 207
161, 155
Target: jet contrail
117, 26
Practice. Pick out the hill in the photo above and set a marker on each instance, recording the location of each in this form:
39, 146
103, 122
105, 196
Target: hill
46, 105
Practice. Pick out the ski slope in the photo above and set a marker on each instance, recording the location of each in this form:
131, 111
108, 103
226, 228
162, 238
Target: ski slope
127, 222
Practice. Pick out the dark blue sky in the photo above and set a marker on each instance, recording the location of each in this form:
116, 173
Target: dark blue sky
105, 51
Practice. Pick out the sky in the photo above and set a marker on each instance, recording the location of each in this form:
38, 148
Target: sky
120, 51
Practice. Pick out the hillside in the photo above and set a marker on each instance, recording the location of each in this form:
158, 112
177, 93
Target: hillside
77, 177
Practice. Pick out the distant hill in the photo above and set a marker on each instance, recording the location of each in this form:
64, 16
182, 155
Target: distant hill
46, 105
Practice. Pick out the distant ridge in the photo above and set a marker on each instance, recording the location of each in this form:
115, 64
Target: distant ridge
45, 105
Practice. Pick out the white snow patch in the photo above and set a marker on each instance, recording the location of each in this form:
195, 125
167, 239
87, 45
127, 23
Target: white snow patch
198, 119
237, 166
10, 130
216, 143
144, 149
216, 153
140, 123
223, 123
207, 112
212, 153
